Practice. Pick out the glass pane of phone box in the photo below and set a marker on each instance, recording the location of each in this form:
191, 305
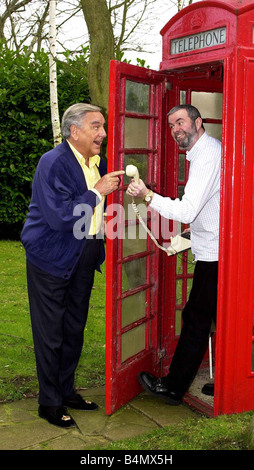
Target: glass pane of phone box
136, 133
137, 97
208, 104
133, 274
133, 342
135, 240
133, 308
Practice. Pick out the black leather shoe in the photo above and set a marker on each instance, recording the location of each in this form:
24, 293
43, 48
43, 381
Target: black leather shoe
157, 387
78, 403
56, 415
208, 389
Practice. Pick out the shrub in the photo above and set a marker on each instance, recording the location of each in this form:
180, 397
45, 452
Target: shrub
25, 123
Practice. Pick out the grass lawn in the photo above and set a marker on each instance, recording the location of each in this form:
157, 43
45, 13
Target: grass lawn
18, 373
17, 362
221, 433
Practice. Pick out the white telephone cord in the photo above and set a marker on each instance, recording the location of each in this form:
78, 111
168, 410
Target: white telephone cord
132, 171
170, 250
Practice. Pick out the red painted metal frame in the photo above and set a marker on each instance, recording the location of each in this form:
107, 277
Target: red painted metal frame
234, 385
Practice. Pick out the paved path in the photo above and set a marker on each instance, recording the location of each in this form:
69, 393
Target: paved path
22, 429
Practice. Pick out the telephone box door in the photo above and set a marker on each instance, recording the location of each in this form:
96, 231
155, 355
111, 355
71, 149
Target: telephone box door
133, 262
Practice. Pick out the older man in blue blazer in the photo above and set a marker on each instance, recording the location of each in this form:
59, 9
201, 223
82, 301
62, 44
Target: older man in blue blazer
64, 246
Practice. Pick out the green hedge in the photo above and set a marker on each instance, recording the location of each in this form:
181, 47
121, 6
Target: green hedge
25, 124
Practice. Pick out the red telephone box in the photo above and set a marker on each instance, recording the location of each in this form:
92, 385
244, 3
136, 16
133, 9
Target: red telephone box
208, 61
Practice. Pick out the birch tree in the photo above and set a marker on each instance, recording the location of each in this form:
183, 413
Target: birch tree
53, 74
183, 3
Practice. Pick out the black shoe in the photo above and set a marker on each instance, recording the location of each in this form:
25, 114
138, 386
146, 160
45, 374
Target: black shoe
208, 389
78, 403
56, 415
157, 387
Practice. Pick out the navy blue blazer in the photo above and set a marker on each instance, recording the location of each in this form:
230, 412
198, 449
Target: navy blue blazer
58, 188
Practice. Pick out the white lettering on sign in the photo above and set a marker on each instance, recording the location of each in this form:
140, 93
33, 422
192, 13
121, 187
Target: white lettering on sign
195, 42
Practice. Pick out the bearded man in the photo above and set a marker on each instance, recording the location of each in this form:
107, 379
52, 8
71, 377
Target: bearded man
199, 207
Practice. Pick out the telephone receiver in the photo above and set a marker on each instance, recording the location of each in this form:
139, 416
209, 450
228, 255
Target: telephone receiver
131, 170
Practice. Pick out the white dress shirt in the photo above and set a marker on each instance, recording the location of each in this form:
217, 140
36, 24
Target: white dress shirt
200, 204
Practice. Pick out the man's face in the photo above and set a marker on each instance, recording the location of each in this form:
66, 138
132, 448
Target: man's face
88, 138
183, 130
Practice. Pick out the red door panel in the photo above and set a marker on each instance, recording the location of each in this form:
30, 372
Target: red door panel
134, 137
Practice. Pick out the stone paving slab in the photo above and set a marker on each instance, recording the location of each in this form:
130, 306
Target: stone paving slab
22, 429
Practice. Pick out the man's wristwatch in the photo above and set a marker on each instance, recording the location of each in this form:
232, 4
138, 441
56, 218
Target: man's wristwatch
148, 197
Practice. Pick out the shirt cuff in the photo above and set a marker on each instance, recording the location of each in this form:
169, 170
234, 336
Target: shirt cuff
157, 202
97, 193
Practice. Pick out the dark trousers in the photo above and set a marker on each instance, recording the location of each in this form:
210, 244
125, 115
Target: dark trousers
59, 310
197, 318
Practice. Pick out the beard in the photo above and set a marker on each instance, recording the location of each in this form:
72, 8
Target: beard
185, 139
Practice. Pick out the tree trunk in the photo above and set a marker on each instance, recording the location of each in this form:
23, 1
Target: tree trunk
101, 49
53, 75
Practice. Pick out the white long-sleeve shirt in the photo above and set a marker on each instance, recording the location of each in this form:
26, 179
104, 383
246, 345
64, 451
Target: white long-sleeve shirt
200, 204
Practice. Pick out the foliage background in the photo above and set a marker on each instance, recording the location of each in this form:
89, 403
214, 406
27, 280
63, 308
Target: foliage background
25, 123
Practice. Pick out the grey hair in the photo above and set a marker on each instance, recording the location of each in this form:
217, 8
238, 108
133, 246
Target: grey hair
192, 112
75, 115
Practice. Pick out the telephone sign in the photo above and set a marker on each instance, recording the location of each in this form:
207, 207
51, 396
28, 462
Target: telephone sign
213, 38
